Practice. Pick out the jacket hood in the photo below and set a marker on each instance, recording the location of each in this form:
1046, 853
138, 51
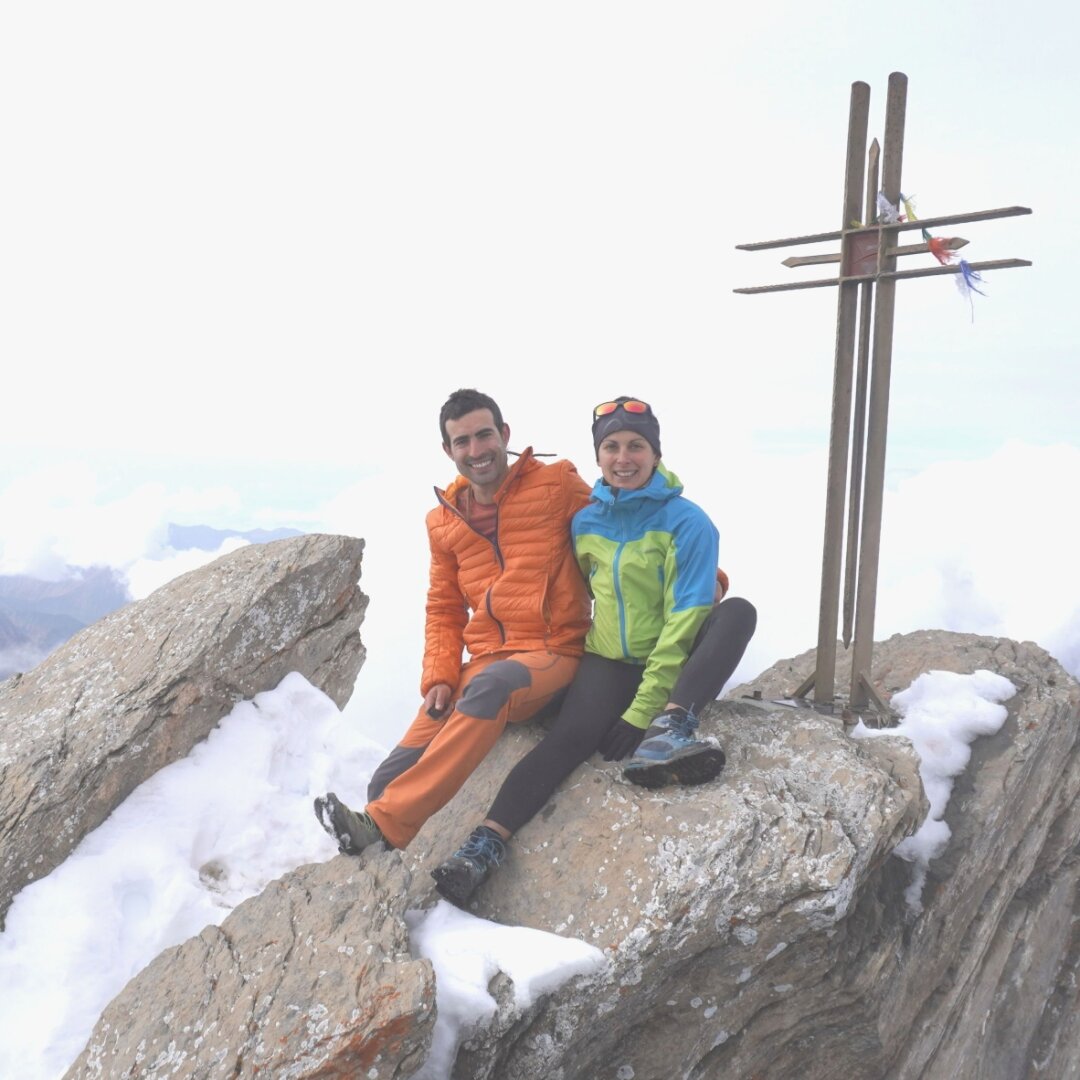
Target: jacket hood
662, 485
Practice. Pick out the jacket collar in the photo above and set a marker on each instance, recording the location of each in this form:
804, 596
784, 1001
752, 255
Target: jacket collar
525, 463
662, 485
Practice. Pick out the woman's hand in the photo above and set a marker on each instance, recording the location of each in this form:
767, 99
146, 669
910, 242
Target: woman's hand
620, 740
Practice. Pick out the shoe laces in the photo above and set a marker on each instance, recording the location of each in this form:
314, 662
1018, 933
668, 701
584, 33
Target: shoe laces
681, 722
483, 848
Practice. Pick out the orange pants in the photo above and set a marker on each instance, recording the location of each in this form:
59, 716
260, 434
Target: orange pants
435, 757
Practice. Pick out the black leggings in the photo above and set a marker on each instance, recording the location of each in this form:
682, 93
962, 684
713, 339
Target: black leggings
601, 691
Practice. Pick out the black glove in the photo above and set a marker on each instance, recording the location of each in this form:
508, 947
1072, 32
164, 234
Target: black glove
620, 740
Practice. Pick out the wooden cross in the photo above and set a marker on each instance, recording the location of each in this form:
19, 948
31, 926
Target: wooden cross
867, 266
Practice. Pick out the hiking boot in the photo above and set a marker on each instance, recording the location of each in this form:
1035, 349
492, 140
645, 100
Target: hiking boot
670, 754
352, 831
470, 866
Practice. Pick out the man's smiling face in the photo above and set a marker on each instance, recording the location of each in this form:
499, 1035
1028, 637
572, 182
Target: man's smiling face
478, 449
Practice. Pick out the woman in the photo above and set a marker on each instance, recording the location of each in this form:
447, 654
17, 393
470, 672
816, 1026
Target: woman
658, 647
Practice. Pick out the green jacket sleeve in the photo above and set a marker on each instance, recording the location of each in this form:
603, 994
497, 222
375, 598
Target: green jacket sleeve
689, 586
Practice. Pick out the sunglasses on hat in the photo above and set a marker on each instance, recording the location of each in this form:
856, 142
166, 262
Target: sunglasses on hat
632, 405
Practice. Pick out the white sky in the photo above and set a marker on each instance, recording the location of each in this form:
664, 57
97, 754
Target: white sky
265, 240
252, 246
209, 831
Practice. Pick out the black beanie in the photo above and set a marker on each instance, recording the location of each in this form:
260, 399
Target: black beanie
644, 423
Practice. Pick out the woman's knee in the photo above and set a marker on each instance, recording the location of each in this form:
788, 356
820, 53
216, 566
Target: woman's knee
730, 624
739, 613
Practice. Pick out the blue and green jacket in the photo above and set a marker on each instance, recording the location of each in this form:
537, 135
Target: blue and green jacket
650, 558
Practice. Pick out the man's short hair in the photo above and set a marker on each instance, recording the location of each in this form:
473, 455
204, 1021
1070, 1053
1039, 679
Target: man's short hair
461, 402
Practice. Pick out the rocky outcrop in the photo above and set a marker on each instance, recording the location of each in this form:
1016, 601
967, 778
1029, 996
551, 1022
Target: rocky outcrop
755, 927
140, 688
725, 910
312, 978
984, 984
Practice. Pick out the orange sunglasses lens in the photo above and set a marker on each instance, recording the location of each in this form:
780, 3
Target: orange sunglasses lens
631, 406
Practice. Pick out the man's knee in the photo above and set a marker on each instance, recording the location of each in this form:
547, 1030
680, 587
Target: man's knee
490, 690
396, 762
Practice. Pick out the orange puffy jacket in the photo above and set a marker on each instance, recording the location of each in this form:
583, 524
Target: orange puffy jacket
522, 593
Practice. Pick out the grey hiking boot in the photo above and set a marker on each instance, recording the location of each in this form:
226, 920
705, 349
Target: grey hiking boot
470, 866
670, 754
352, 831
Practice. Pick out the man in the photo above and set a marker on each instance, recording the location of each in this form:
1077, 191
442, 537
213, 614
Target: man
505, 586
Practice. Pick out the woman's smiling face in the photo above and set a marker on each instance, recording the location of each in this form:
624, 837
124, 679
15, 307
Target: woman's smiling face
626, 459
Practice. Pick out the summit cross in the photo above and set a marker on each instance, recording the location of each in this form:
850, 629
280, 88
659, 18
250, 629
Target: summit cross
866, 280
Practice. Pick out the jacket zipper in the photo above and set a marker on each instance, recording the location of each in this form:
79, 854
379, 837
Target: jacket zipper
498, 555
502, 566
619, 600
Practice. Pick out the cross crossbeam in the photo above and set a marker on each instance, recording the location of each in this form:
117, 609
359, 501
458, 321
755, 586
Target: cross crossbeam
896, 226
866, 284
883, 275
952, 244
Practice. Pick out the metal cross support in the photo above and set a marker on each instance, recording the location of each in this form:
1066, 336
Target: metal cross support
866, 282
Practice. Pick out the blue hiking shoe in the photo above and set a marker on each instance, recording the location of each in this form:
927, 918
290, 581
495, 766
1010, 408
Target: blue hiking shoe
353, 832
670, 754
470, 866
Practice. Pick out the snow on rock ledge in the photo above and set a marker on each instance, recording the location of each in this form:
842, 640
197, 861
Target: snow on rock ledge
138, 689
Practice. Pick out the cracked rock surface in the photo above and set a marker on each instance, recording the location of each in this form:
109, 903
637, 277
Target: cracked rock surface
312, 978
138, 689
756, 926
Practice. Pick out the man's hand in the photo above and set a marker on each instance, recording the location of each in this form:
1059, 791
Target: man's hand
620, 740
722, 586
437, 701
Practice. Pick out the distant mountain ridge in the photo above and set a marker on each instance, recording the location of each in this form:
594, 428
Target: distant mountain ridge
206, 538
37, 615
